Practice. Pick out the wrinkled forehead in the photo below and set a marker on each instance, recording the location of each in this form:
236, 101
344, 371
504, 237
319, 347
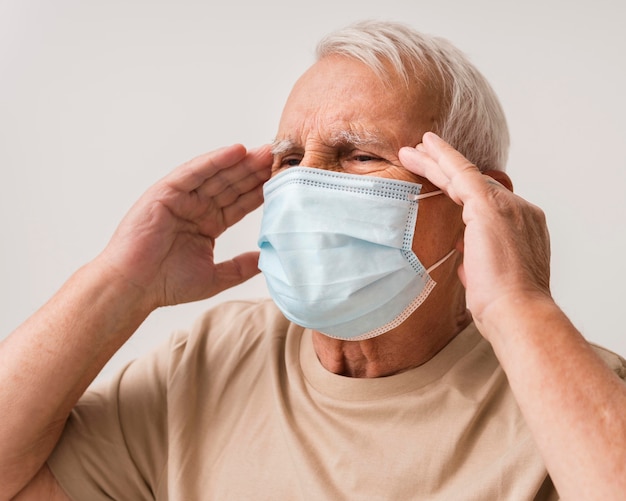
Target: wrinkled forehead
338, 136
343, 101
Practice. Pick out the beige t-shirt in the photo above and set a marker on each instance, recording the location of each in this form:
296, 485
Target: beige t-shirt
240, 408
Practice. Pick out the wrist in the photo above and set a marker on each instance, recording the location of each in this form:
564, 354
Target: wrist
518, 313
102, 296
528, 332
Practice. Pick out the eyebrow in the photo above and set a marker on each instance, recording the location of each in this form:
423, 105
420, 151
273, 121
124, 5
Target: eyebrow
280, 146
339, 137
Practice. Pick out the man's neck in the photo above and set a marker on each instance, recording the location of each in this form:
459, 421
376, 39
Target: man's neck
409, 345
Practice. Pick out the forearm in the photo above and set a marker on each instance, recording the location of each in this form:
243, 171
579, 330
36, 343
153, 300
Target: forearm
48, 362
573, 403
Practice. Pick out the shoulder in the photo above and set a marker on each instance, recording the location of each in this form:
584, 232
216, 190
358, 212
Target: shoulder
253, 311
229, 332
241, 319
613, 360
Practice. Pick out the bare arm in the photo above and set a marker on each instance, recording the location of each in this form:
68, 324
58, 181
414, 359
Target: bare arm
573, 403
161, 254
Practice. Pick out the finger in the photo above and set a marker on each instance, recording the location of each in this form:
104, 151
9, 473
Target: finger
231, 193
226, 185
465, 179
244, 204
193, 174
236, 271
421, 163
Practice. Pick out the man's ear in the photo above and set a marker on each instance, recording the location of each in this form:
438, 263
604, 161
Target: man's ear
501, 177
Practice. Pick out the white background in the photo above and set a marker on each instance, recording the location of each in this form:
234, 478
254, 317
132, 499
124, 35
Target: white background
100, 99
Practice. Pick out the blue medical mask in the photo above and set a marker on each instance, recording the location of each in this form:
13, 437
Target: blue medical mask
336, 251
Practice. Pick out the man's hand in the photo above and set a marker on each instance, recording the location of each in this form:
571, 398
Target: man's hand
506, 250
162, 253
165, 245
550, 367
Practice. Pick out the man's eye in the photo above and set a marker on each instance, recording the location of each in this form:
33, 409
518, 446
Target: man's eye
364, 158
290, 162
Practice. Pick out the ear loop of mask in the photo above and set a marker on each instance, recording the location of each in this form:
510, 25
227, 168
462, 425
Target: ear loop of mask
425, 195
447, 256
441, 261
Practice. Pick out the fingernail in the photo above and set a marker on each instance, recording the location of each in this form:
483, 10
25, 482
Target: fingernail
432, 136
406, 150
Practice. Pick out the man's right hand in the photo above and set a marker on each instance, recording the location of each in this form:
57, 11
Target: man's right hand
161, 254
165, 244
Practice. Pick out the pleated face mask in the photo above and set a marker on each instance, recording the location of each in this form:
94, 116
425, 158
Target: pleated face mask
336, 251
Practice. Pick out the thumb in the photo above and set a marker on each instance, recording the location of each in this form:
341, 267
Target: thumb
236, 271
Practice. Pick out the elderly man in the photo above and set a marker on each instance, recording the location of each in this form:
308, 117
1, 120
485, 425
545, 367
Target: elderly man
406, 354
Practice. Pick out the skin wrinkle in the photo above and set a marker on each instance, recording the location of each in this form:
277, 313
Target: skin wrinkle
323, 111
368, 125
348, 140
345, 137
569, 398
344, 140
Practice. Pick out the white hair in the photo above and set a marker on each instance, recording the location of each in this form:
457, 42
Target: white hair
472, 119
